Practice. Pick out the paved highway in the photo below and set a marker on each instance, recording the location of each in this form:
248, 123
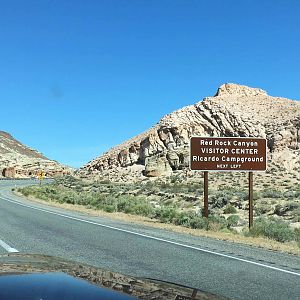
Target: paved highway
232, 270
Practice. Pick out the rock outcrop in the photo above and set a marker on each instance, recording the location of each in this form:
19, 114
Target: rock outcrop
18, 160
235, 110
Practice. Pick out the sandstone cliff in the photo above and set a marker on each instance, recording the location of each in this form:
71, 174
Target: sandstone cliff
18, 160
235, 110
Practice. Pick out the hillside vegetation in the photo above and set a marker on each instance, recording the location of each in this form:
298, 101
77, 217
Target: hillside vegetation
177, 200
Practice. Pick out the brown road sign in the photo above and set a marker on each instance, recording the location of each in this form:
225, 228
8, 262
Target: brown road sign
228, 154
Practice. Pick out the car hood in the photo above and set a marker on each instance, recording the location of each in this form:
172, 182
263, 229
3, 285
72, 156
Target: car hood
47, 277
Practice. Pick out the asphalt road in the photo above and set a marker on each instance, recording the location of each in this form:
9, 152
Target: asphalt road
224, 268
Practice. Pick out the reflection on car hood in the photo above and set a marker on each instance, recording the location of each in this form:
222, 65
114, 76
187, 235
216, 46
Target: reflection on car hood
53, 286
64, 279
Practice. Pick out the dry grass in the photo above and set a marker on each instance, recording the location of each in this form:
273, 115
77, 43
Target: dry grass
290, 247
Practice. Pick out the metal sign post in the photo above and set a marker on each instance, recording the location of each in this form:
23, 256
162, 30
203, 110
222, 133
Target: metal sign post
250, 199
41, 176
206, 194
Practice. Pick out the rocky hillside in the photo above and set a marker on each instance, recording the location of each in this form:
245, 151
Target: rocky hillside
235, 110
18, 160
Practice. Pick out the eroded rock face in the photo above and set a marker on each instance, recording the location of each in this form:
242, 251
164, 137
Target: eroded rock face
9, 172
18, 160
157, 165
236, 89
235, 110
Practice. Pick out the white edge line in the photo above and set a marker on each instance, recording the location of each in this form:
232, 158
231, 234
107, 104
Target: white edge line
154, 238
7, 247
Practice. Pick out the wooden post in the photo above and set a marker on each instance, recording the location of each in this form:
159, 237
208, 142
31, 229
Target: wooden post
250, 199
206, 194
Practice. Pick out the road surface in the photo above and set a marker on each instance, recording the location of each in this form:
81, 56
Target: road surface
224, 268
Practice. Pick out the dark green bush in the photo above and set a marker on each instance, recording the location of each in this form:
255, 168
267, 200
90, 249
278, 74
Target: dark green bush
290, 194
166, 214
183, 219
220, 199
216, 223
273, 229
262, 208
24, 191
199, 223
109, 208
105, 181
271, 193
134, 205
232, 221
191, 220
229, 209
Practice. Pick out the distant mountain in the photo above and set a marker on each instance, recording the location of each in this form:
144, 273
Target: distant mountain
235, 110
19, 160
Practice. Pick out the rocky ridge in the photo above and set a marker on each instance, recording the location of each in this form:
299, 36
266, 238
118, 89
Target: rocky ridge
235, 110
18, 160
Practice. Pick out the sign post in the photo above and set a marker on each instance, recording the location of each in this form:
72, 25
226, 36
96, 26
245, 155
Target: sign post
41, 176
229, 154
250, 199
206, 194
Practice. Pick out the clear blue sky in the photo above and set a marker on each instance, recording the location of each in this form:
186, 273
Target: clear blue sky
79, 76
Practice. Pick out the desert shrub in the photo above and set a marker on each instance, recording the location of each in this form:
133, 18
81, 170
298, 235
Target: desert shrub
229, 209
199, 223
24, 191
256, 195
289, 194
220, 199
66, 199
245, 195
216, 223
177, 188
194, 188
41, 192
183, 219
262, 208
134, 205
232, 221
105, 181
297, 236
296, 214
174, 179
271, 193
273, 229
192, 220
143, 209
109, 208
94, 203
166, 214
278, 210
85, 199
283, 209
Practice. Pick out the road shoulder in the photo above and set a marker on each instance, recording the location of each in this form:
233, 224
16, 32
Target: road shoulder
263, 243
